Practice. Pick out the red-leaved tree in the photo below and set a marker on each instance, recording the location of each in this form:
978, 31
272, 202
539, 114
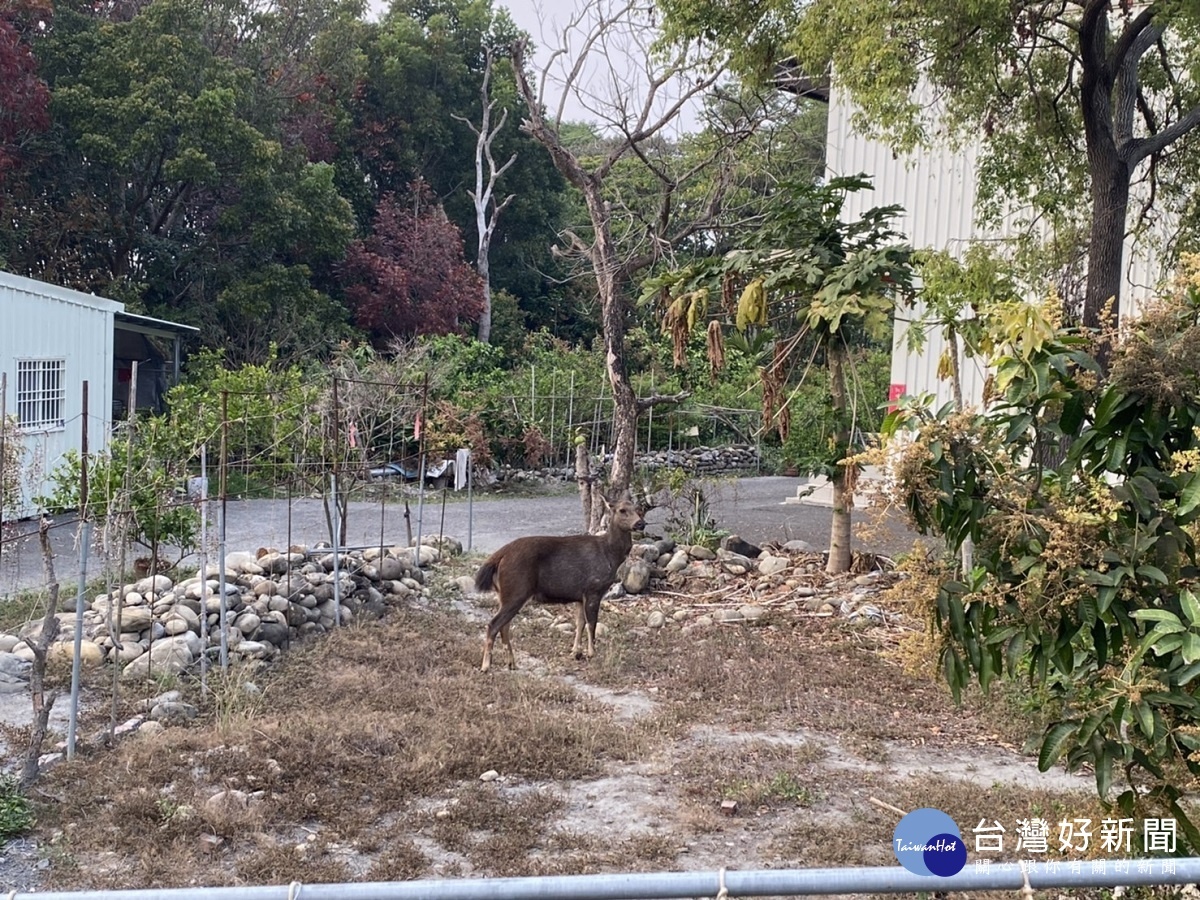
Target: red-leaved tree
409, 276
24, 97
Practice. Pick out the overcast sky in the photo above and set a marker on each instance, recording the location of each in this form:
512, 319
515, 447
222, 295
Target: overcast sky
545, 20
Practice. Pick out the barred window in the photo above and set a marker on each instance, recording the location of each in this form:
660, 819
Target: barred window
41, 393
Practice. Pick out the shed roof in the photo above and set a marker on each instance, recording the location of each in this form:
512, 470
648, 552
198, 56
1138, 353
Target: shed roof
62, 294
155, 327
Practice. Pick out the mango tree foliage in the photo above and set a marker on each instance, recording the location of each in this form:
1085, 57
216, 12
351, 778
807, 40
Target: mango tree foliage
1084, 575
1074, 101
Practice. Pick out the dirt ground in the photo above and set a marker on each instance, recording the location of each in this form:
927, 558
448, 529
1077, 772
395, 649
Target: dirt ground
382, 753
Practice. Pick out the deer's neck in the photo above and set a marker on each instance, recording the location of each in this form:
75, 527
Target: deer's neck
618, 542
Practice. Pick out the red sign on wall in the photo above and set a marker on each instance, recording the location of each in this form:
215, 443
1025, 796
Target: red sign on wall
895, 392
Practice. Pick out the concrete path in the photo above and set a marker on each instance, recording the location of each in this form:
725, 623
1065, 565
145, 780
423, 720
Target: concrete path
758, 509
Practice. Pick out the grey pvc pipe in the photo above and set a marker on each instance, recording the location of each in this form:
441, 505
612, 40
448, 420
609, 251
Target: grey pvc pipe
668, 885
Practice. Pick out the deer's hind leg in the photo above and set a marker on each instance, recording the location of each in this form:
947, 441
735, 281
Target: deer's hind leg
499, 625
504, 636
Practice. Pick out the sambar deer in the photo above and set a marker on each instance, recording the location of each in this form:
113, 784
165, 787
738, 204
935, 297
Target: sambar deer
577, 568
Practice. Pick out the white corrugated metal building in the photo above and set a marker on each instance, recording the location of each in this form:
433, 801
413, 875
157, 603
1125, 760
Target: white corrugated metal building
52, 340
936, 188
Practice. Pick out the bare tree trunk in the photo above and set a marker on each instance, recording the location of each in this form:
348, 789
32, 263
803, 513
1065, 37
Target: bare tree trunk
483, 195
43, 703
842, 480
583, 478
484, 334
1110, 204
614, 311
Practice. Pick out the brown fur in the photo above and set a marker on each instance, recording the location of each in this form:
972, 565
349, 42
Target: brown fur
577, 568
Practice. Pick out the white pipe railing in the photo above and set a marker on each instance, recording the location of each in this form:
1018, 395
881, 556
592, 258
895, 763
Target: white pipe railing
670, 885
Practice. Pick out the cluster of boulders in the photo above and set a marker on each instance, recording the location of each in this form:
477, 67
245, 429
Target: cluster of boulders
738, 459
753, 582
271, 598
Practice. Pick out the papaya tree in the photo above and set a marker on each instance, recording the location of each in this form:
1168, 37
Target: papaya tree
811, 283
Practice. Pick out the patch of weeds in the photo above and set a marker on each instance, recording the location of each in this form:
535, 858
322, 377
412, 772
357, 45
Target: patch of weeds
399, 861
235, 697
689, 518
755, 773
16, 815
270, 862
572, 853
869, 748
20, 609
497, 830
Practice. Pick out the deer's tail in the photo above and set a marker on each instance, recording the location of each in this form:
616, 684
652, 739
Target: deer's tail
485, 578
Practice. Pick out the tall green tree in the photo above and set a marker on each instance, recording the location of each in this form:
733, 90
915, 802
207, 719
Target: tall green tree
1075, 100
178, 178
427, 62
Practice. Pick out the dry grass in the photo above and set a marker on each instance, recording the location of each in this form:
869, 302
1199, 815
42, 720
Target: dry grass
360, 756
351, 730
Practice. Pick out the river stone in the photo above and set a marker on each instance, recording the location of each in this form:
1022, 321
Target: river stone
391, 569
170, 656
637, 578
248, 623
128, 652
243, 563
254, 649
156, 584
137, 618
772, 565
678, 561
230, 802
266, 588
14, 665
90, 653
798, 547
735, 544
275, 563
273, 633
23, 651
173, 712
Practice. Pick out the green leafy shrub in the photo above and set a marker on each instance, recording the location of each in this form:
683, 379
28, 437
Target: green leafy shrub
1084, 570
15, 813
154, 509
